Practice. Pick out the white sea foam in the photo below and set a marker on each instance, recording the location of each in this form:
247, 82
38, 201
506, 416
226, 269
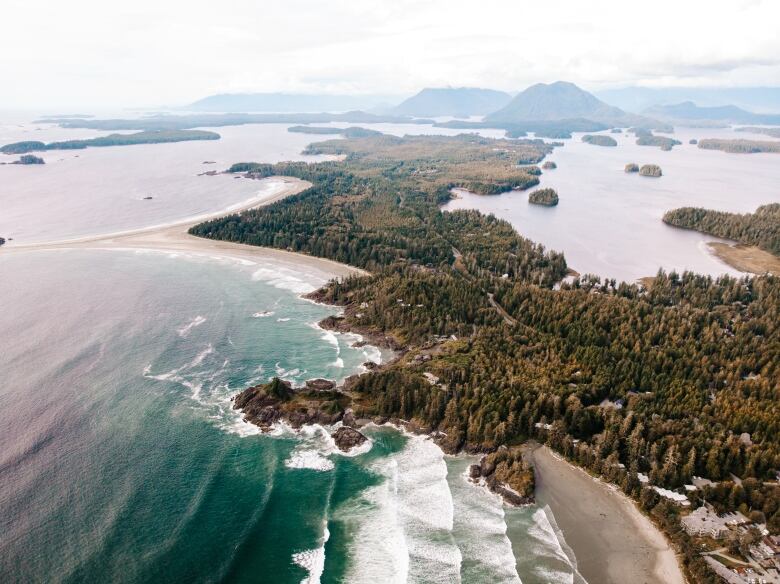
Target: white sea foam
284, 279
185, 330
313, 561
263, 314
480, 529
547, 542
282, 319
308, 458
405, 531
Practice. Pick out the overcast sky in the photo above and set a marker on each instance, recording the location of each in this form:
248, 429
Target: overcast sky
153, 52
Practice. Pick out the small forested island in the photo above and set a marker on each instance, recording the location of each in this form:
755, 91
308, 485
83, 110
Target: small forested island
29, 159
546, 197
599, 140
650, 170
145, 137
632, 167
739, 146
549, 165
647, 138
644, 386
352, 132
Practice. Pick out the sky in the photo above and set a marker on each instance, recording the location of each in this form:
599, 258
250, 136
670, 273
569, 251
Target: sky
151, 53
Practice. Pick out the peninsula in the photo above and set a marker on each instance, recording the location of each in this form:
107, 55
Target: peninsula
145, 137
497, 351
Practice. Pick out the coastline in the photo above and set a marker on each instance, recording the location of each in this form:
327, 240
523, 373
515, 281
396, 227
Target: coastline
628, 548
174, 237
745, 258
612, 540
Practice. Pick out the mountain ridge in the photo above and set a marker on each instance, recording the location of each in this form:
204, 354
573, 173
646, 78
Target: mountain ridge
452, 101
563, 100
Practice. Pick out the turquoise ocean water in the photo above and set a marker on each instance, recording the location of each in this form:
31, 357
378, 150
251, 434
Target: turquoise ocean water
121, 459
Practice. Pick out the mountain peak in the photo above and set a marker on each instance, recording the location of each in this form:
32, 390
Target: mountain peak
563, 100
453, 101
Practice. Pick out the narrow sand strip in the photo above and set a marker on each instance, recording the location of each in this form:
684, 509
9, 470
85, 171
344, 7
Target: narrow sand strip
614, 543
173, 237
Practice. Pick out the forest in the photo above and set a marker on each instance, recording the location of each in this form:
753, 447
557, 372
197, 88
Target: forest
620, 378
145, 137
647, 138
761, 228
599, 140
740, 146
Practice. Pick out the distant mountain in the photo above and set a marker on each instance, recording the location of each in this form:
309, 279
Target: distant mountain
562, 101
451, 101
287, 103
638, 99
688, 111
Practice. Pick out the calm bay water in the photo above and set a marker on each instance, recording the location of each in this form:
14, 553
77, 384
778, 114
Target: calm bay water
121, 458
608, 222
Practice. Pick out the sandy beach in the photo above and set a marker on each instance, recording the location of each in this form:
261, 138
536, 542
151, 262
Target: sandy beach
614, 543
174, 237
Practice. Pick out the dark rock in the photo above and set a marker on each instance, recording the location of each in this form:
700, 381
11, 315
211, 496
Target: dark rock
347, 438
475, 471
370, 365
320, 384
349, 418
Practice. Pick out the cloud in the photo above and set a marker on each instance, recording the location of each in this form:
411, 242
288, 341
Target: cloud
149, 52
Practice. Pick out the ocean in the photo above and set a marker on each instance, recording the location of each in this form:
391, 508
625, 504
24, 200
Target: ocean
121, 458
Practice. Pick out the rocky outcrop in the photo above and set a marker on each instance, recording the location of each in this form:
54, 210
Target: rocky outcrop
506, 473
632, 167
549, 165
263, 405
320, 384
347, 438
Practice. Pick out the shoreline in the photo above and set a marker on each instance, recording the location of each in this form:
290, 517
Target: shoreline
612, 540
174, 237
745, 258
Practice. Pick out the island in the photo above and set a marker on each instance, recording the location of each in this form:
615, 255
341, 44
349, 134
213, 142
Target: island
647, 138
2, 240
599, 140
739, 146
549, 165
758, 235
145, 137
650, 170
351, 132
546, 197
647, 389
773, 132
632, 167
693, 141
30, 159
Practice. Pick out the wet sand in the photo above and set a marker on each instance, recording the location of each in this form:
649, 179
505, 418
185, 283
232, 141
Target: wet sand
746, 258
173, 237
614, 543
